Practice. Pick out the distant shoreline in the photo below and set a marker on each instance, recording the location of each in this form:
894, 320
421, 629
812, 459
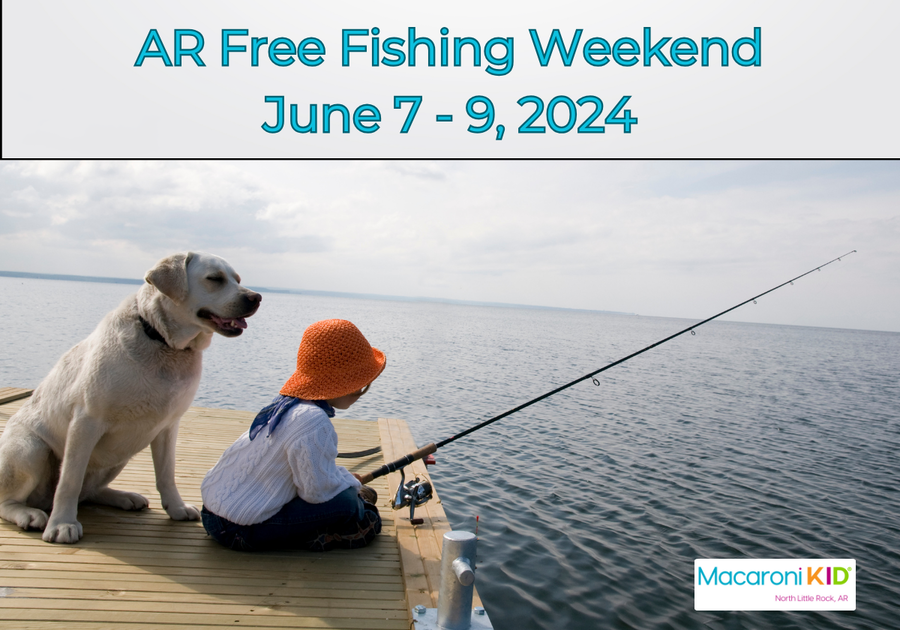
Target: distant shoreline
363, 296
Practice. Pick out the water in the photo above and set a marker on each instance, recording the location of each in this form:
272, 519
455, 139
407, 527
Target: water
744, 441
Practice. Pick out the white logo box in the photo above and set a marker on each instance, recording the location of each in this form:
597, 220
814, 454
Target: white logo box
775, 584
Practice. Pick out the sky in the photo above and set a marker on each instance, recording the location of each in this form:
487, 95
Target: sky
656, 238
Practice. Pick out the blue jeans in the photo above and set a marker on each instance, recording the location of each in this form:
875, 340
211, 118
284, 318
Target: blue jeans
345, 521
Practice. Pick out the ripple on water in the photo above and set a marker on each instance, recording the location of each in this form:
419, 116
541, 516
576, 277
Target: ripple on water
747, 441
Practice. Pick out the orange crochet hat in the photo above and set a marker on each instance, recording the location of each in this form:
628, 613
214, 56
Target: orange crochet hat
334, 360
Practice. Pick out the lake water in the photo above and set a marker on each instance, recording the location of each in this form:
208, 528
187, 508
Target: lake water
744, 441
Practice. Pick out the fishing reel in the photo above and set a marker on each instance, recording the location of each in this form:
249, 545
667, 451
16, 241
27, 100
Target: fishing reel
413, 493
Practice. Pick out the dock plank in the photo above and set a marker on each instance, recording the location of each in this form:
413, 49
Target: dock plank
142, 570
420, 545
9, 394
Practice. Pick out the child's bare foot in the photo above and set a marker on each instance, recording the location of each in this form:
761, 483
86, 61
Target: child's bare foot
368, 494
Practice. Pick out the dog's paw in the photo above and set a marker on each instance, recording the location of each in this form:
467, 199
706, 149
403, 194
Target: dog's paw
138, 501
31, 518
184, 512
121, 499
63, 532
132, 501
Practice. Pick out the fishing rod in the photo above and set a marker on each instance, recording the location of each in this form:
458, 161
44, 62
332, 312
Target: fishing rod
417, 493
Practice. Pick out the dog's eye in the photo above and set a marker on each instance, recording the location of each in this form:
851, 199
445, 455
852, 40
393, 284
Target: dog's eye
215, 278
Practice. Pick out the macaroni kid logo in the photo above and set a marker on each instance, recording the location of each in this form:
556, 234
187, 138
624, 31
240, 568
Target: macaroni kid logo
780, 584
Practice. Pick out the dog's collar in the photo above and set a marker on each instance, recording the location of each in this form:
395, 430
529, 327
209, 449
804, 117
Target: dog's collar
151, 331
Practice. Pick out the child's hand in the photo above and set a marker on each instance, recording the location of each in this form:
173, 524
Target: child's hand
358, 478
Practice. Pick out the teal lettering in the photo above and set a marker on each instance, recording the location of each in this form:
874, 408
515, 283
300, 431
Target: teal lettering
545, 54
755, 45
153, 39
713, 578
655, 50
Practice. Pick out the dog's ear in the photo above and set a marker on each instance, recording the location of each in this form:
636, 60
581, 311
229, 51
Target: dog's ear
169, 276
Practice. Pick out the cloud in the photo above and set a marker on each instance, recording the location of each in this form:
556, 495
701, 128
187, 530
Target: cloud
663, 238
423, 170
156, 205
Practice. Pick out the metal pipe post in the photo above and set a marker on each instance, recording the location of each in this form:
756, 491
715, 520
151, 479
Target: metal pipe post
457, 581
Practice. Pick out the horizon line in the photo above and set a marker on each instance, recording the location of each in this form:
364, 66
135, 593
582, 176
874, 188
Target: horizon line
364, 296
400, 298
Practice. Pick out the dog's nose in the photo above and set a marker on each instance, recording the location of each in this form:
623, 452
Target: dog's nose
250, 300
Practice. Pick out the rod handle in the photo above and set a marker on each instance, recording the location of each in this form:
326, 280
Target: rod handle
428, 449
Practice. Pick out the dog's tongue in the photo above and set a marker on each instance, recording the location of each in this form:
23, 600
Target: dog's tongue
224, 322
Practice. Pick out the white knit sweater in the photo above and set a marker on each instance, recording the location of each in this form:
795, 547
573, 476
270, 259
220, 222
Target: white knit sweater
254, 479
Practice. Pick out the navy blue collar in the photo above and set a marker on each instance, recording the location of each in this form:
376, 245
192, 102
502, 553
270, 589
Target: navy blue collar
324, 406
272, 414
151, 332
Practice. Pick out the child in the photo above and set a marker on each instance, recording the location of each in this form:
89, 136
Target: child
278, 486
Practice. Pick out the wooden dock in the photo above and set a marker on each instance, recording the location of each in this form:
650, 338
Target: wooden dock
142, 570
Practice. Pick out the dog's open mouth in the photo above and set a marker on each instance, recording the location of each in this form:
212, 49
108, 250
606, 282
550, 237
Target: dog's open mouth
228, 326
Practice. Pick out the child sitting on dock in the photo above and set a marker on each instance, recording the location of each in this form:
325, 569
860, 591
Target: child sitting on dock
278, 486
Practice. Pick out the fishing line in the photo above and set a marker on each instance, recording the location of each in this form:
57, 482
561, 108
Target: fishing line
431, 448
